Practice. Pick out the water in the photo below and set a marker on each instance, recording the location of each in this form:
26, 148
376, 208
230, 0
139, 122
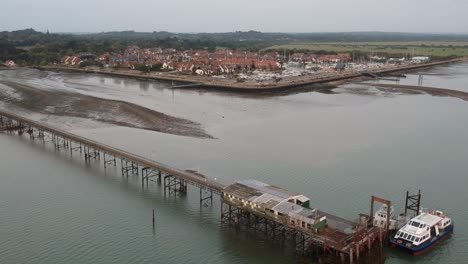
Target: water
338, 149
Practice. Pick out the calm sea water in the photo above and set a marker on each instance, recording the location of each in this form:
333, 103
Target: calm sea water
338, 149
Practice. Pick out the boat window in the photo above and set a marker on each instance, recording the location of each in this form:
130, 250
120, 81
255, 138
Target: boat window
405, 235
411, 238
416, 224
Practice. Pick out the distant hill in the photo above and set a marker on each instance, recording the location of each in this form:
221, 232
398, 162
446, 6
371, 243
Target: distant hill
29, 37
255, 36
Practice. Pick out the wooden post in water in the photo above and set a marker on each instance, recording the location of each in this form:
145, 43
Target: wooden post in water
357, 252
369, 245
380, 237
153, 217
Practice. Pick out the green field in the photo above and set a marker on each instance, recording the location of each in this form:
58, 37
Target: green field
433, 49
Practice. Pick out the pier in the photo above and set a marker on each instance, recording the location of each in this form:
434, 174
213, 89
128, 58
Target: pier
250, 205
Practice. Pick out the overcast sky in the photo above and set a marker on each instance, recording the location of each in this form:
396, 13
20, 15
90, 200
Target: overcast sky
221, 16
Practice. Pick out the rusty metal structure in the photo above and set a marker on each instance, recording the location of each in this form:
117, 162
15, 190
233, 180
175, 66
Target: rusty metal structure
285, 216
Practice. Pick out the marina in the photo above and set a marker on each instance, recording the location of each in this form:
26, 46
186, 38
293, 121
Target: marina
234, 85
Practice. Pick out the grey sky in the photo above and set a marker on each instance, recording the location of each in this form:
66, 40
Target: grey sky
222, 16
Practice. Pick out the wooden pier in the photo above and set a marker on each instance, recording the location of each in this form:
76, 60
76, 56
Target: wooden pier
279, 219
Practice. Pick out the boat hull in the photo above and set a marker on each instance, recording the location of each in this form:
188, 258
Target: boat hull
427, 246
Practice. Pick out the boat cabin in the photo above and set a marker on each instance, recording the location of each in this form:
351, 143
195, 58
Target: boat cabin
423, 227
380, 218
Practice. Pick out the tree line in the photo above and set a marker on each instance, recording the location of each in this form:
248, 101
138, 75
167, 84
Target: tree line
30, 47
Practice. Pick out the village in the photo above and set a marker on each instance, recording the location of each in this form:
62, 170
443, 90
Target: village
238, 65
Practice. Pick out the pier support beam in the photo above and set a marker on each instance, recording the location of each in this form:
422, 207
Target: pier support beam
229, 214
91, 154
147, 173
109, 161
60, 142
206, 197
129, 167
77, 147
174, 185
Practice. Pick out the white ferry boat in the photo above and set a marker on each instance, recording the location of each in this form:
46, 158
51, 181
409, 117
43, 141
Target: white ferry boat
423, 232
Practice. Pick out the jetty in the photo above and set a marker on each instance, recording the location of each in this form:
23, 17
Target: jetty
276, 213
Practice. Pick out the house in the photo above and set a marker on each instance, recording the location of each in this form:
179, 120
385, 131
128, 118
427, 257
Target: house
75, 60
340, 57
299, 57
276, 204
10, 63
104, 57
71, 60
267, 65
185, 67
168, 66
65, 60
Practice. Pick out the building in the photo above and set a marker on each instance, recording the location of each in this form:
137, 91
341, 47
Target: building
71, 60
276, 204
10, 63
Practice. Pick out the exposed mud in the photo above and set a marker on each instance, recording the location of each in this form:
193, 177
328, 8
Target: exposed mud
410, 89
103, 110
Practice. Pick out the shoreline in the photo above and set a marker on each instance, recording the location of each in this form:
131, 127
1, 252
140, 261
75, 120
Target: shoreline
232, 85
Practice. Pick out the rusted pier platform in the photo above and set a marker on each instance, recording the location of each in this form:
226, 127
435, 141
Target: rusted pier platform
259, 207
286, 216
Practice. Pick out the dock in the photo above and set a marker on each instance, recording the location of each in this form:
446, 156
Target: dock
278, 214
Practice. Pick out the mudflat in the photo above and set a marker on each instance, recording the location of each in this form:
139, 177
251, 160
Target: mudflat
103, 110
441, 92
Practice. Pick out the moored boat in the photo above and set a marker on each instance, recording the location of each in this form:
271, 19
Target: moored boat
423, 232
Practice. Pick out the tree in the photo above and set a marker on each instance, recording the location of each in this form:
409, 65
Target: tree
156, 67
142, 68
